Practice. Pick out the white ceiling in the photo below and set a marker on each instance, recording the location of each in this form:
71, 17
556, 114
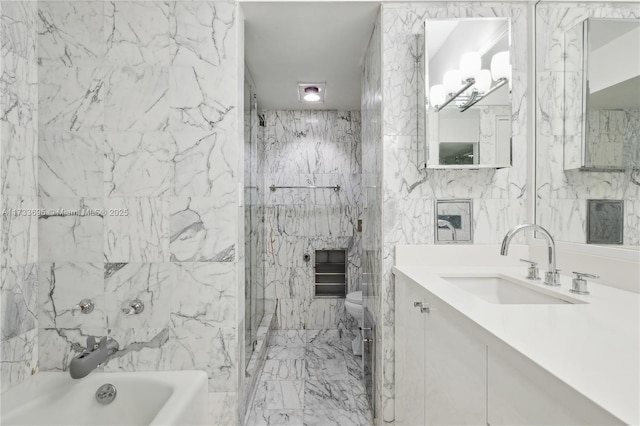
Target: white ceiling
291, 42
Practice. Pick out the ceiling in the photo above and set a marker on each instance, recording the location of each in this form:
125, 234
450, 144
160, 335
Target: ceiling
291, 42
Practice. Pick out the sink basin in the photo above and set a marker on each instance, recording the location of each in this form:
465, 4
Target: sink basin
506, 291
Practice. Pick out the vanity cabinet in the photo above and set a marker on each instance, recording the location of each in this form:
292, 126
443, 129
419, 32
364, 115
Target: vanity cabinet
450, 371
441, 366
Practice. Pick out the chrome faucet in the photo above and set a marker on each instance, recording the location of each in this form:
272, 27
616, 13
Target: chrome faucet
552, 277
446, 224
94, 355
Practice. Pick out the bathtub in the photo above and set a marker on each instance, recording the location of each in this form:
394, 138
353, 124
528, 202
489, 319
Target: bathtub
145, 398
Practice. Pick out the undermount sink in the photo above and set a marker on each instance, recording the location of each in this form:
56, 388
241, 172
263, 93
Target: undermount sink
507, 291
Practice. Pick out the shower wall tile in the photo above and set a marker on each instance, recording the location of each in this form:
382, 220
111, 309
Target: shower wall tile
60, 153
70, 229
18, 192
19, 297
138, 106
18, 358
59, 293
65, 40
202, 162
136, 33
19, 242
137, 99
302, 148
137, 164
151, 283
136, 230
71, 98
201, 292
202, 229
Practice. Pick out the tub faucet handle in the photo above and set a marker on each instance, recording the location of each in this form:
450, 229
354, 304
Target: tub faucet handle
135, 307
85, 306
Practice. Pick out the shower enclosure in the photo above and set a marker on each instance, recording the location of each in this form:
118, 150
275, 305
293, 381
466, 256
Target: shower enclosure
253, 225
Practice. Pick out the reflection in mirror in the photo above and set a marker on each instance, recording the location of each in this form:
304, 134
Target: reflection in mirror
563, 192
453, 222
602, 95
469, 96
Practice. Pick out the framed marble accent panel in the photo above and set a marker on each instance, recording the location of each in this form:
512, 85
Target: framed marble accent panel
454, 222
605, 221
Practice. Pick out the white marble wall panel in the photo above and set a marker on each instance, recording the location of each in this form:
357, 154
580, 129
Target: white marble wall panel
562, 194
409, 194
136, 230
137, 164
60, 153
202, 229
138, 105
19, 242
613, 137
18, 192
309, 148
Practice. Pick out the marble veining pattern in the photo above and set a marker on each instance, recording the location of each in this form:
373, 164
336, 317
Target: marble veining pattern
305, 380
18, 192
300, 148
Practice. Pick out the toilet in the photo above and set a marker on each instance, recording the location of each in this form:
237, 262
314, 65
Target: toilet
354, 307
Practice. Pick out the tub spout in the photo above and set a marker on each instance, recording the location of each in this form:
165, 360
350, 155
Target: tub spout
94, 355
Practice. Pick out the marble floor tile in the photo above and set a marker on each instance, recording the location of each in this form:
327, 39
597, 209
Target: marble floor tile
326, 369
283, 352
335, 417
275, 418
280, 394
323, 351
289, 338
328, 395
283, 369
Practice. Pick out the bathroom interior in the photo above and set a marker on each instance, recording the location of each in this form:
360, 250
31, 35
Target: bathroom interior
320, 213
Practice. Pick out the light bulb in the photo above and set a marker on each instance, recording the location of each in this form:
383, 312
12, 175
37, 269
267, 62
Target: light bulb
500, 67
452, 81
437, 96
483, 81
469, 65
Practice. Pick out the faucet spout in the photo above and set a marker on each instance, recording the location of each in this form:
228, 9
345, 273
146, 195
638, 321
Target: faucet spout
552, 276
94, 355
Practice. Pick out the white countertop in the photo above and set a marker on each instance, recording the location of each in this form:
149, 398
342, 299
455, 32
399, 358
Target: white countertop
593, 347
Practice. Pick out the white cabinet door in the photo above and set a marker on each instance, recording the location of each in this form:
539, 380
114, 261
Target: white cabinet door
409, 338
521, 393
455, 370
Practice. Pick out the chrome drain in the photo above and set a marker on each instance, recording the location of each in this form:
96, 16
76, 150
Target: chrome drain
106, 394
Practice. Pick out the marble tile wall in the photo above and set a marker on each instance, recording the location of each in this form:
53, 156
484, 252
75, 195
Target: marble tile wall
138, 129
18, 192
371, 261
561, 195
300, 148
409, 194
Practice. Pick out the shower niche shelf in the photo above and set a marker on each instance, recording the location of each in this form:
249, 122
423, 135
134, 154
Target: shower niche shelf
330, 274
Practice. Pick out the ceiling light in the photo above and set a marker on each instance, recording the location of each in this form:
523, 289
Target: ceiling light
311, 94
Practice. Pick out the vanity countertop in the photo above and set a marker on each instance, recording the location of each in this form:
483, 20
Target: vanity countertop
592, 347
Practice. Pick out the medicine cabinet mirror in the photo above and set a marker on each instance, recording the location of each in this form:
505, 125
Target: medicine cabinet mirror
468, 93
602, 95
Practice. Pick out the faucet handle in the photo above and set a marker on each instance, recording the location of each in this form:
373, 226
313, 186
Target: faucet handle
533, 273
579, 284
85, 306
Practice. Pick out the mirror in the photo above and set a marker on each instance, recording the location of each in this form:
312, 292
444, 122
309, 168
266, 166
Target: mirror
578, 204
602, 95
468, 99
454, 222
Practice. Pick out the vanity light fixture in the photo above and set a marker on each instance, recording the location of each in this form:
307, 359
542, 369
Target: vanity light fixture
311, 92
456, 83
